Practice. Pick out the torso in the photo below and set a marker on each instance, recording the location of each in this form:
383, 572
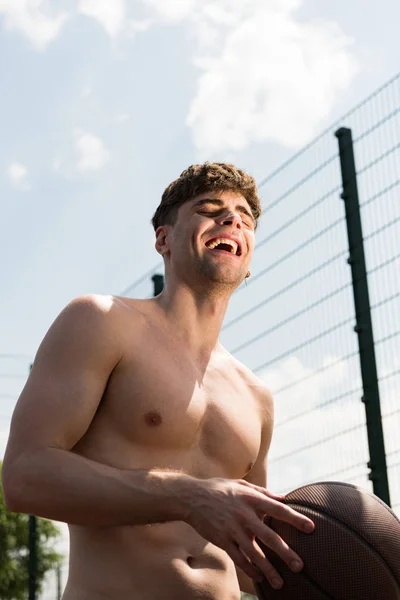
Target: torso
161, 410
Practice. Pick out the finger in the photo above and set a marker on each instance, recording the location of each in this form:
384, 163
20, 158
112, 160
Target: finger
261, 515
243, 563
263, 490
272, 540
269, 494
257, 557
280, 511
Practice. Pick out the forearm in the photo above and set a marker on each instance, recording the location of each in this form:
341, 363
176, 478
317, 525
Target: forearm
60, 485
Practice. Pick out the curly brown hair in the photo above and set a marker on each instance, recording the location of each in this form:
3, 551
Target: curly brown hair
198, 179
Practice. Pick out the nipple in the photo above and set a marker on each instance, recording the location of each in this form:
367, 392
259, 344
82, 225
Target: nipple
153, 418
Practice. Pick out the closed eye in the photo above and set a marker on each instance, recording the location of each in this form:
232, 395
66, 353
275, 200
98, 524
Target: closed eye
216, 213
210, 212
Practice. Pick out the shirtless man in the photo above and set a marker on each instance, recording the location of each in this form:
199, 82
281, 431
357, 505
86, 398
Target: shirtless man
138, 429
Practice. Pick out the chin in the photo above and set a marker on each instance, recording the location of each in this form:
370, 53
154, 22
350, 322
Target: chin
233, 280
222, 275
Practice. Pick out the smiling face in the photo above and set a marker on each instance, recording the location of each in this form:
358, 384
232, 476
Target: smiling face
212, 239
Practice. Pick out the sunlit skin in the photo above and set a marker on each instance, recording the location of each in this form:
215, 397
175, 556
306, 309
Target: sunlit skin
138, 429
200, 220
200, 281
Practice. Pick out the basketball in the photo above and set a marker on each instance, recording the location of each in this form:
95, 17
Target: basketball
353, 554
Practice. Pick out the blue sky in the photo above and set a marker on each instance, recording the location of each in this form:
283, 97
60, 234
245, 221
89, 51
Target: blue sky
104, 102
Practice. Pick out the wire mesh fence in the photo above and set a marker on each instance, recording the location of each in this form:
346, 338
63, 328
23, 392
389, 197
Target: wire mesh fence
294, 322
143, 287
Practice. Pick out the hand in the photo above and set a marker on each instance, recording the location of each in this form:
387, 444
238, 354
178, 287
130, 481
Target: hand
230, 514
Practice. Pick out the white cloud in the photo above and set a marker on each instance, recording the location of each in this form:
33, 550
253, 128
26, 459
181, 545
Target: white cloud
18, 174
265, 75
173, 10
139, 25
274, 80
29, 18
110, 14
92, 153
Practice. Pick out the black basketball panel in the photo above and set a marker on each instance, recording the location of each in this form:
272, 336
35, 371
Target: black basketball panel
360, 510
339, 564
296, 586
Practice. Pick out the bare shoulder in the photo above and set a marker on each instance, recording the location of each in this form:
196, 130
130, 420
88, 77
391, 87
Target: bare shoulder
92, 325
95, 304
89, 317
100, 309
89, 306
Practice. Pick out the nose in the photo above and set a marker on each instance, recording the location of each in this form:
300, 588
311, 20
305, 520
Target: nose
232, 218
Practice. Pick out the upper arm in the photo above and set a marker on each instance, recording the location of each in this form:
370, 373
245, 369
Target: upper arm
258, 473
67, 379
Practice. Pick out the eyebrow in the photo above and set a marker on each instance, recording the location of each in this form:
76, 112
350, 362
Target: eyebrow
218, 202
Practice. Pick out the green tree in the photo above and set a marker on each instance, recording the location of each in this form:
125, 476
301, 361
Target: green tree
14, 551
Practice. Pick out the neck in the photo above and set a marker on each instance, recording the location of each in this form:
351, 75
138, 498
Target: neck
196, 316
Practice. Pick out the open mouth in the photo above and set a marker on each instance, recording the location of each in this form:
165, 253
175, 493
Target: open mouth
224, 245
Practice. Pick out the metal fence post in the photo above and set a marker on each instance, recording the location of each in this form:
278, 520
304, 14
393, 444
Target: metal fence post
58, 582
363, 328
32, 567
158, 281
32, 548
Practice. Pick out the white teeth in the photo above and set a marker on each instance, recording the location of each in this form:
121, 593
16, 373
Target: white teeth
230, 243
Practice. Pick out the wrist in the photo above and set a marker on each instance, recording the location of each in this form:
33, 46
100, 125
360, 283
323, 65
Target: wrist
175, 490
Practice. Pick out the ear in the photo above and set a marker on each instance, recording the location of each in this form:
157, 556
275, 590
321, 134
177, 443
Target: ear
161, 244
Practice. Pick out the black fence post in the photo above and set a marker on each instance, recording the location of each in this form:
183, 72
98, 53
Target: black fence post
58, 582
158, 281
32, 568
363, 328
32, 549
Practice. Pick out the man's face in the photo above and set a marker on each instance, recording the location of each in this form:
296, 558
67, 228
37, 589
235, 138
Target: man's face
213, 237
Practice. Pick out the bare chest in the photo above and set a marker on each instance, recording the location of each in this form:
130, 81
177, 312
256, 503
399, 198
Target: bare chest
164, 407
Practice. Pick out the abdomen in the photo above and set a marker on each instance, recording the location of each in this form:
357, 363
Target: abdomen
167, 561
